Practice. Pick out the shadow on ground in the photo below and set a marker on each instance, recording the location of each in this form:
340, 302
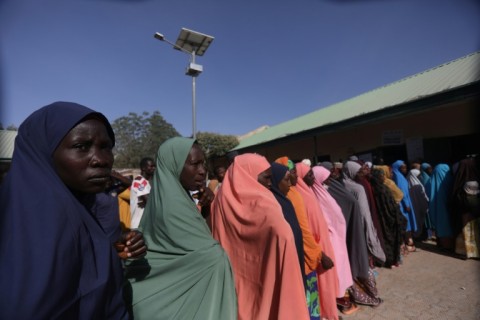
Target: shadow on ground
431, 246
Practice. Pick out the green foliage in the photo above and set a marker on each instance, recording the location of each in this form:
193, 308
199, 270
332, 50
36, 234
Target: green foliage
139, 136
216, 145
12, 128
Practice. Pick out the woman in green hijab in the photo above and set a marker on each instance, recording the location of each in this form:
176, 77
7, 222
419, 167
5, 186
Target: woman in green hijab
186, 274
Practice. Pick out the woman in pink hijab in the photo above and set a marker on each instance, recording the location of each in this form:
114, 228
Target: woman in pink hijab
328, 289
337, 228
249, 224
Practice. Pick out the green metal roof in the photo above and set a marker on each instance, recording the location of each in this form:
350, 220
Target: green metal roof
7, 141
445, 77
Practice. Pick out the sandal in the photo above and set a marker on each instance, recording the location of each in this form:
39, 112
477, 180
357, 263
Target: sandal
344, 302
411, 248
380, 301
348, 311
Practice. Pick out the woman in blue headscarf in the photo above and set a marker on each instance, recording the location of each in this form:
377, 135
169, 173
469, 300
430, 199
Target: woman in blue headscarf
425, 172
399, 168
56, 246
419, 199
441, 185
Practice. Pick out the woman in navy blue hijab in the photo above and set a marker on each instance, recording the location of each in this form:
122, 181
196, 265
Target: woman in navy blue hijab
56, 252
280, 186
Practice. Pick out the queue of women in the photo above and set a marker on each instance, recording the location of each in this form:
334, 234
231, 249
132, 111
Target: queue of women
275, 240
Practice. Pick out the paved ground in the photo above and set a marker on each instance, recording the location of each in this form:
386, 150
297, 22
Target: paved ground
430, 285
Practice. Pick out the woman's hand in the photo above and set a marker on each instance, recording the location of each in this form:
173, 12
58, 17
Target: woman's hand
142, 201
205, 196
131, 245
326, 262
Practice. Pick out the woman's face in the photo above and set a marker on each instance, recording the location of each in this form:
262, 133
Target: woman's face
265, 178
309, 178
360, 174
220, 173
366, 170
328, 180
149, 168
83, 160
336, 173
381, 176
285, 183
193, 174
293, 177
429, 170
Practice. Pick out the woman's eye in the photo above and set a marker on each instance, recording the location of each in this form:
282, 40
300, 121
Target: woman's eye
81, 147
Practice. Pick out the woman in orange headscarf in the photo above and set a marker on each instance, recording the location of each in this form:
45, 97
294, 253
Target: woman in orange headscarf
248, 222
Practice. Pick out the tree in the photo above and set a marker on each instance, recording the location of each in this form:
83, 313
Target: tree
216, 145
138, 136
12, 128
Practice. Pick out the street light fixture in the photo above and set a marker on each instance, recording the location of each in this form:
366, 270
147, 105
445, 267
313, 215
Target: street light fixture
195, 44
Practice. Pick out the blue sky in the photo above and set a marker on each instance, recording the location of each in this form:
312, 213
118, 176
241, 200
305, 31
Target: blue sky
271, 60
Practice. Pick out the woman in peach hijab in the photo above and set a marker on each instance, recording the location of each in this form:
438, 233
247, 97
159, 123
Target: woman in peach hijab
248, 222
327, 278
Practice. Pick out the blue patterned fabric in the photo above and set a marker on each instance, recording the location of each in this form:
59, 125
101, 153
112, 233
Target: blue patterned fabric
313, 299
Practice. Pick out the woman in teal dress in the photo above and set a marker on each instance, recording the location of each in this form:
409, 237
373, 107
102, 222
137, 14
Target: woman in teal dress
186, 274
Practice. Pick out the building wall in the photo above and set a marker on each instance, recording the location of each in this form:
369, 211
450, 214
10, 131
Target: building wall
452, 120
448, 121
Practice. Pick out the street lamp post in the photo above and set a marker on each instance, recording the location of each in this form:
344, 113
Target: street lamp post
195, 44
